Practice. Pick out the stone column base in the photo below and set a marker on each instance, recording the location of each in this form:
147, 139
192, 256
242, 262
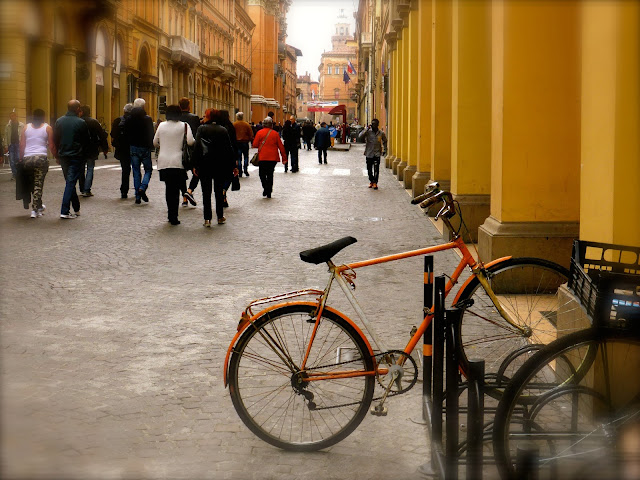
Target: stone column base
475, 210
407, 175
418, 182
388, 161
394, 165
400, 170
444, 185
550, 240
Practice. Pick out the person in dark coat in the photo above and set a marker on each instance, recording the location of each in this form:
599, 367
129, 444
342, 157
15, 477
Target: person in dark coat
120, 143
215, 162
291, 139
98, 142
194, 122
225, 120
322, 142
139, 131
308, 132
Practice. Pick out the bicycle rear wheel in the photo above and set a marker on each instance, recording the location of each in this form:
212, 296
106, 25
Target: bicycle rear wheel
527, 289
579, 423
277, 401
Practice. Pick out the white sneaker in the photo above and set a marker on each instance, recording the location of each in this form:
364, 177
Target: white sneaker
33, 214
68, 215
41, 210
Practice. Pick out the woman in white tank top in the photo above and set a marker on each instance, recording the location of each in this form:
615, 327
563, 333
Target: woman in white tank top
36, 138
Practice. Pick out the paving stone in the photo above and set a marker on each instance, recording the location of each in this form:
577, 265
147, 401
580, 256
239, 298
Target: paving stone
115, 325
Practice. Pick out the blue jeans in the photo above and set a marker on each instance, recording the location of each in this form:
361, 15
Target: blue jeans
71, 169
243, 150
14, 157
88, 181
141, 156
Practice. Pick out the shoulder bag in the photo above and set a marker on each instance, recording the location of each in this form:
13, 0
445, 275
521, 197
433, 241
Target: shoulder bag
255, 160
187, 164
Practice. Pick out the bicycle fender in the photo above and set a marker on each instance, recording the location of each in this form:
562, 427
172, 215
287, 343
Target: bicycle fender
281, 305
470, 279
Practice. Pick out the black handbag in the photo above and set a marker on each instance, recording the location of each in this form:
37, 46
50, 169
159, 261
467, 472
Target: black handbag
235, 183
187, 162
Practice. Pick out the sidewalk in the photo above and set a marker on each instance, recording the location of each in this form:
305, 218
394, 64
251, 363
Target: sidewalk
115, 324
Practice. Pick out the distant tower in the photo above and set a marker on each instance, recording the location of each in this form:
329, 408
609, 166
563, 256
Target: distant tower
342, 33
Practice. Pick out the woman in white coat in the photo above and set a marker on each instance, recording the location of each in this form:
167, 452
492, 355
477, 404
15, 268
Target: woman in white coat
170, 139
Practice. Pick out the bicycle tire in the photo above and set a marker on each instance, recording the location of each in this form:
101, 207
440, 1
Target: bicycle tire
272, 398
591, 408
528, 291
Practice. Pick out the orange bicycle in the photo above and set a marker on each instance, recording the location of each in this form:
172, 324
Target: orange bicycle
302, 374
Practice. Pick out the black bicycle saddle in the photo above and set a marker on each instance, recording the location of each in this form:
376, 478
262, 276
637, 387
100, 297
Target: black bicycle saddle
325, 252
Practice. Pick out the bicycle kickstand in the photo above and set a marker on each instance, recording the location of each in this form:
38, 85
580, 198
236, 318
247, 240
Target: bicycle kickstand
380, 410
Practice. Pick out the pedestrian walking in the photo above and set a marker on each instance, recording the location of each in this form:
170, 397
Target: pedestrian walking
375, 145
120, 143
224, 119
322, 142
193, 121
271, 151
169, 138
215, 162
308, 132
291, 137
139, 132
244, 136
36, 139
97, 142
12, 134
71, 139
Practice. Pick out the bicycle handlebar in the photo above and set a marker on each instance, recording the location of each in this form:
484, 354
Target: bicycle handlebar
431, 189
434, 195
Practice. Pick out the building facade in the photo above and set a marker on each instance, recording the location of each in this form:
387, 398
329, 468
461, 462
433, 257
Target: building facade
334, 66
269, 50
527, 111
307, 90
106, 53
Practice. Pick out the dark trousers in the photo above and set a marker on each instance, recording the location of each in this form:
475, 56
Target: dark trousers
218, 187
308, 142
265, 169
293, 150
322, 151
173, 178
71, 168
373, 168
125, 164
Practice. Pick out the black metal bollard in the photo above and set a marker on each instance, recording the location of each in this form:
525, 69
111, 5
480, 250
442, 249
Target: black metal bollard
526, 463
475, 419
438, 360
452, 416
427, 347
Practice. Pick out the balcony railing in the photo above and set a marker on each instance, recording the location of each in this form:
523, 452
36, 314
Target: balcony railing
229, 72
184, 51
214, 64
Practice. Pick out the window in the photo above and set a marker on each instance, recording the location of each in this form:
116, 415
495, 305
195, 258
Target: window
341, 30
329, 70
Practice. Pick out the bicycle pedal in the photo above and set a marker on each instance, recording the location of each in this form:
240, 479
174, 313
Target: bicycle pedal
379, 411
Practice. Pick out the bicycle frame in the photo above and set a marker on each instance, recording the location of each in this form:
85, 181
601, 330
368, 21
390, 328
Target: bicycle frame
341, 275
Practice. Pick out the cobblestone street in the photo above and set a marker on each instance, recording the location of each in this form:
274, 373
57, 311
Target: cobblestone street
115, 325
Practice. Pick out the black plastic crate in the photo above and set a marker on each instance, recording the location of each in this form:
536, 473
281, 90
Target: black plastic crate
606, 279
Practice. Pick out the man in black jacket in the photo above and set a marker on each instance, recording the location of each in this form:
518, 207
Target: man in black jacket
194, 122
71, 137
139, 132
97, 142
120, 143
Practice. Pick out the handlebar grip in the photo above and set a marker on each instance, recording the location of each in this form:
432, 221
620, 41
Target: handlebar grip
420, 198
431, 201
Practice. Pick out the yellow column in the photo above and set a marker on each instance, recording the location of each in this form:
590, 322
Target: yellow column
107, 93
66, 80
391, 115
397, 109
471, 110
41, 83
423, 94
441, 94
535, 134
87, 89
414, 86
610, 174
404, 116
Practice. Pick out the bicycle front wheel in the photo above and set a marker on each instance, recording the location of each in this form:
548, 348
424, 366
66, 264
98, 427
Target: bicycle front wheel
280, 402
527, 289
580, 416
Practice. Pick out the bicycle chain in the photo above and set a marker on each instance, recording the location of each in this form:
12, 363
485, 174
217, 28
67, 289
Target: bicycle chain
391, 394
